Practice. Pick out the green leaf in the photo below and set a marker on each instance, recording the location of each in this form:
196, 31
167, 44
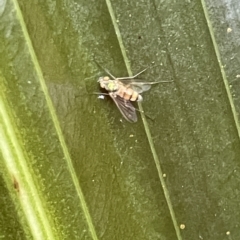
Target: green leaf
72, 168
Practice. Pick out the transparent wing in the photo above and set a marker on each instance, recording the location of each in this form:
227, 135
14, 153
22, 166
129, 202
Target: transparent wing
125, 107
140, 86
137, 84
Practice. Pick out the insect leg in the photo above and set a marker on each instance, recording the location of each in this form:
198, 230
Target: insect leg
122, 78
162, 82
96, 93
105, 70
140, 98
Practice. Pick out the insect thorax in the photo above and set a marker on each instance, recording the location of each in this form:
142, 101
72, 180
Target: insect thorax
112, 86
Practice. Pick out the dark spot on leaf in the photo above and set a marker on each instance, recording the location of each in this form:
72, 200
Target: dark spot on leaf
16, 184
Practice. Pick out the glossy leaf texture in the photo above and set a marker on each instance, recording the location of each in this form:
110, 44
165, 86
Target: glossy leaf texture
72, 167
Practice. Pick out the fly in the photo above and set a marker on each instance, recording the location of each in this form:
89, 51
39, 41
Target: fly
125, 90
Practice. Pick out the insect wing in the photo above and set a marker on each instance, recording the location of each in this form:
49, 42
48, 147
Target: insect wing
137, 85
125, 107
140, 86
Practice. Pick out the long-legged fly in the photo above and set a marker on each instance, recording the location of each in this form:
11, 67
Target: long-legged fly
123, 90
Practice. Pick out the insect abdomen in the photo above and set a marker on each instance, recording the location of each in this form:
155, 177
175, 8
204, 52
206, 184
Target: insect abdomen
128, 94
